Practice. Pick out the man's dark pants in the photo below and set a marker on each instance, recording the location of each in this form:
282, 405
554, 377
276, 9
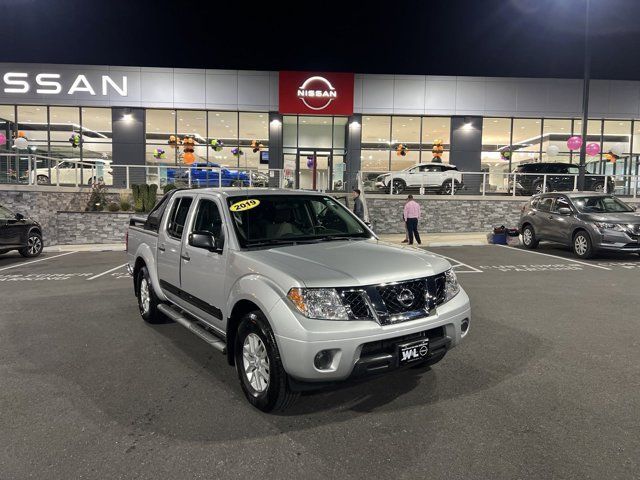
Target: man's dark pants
412, 228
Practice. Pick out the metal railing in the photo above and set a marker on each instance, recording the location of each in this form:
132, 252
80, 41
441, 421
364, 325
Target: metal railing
513, 184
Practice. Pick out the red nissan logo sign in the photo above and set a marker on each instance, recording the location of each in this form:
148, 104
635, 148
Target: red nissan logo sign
316, 93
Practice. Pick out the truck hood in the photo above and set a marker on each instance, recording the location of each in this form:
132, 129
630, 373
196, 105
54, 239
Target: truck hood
349, 263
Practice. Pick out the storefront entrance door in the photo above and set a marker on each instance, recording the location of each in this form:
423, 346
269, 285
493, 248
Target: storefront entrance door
315, 169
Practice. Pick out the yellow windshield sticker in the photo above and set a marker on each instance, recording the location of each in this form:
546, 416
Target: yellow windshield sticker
247, 204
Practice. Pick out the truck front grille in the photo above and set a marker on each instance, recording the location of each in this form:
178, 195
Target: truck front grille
394, 302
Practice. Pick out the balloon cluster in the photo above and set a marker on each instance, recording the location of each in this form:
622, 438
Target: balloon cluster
401, 150
159, 153
188, 147
505, 154
310, 161
256, 146
437, 150
21, 142
614, 153
3, 139
236, 152
173, 140
75, 140
216, 144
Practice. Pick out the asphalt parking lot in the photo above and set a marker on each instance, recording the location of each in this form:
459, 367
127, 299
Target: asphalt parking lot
546, 384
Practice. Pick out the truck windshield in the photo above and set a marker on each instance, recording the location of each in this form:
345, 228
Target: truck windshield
602, 204
288, 219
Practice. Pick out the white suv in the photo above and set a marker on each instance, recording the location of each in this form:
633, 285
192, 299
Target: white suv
72, 171
430, 176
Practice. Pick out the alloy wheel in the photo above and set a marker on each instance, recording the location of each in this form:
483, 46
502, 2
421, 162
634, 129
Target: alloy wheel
34, 245
255, 362
527, 236
580, 245
145, 296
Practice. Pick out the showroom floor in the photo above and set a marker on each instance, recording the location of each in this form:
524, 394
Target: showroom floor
545, 385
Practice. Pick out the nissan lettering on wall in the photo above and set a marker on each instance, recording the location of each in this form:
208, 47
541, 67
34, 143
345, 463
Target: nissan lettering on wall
43, 83
316, 93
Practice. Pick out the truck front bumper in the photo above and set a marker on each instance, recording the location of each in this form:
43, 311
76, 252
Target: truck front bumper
362, 348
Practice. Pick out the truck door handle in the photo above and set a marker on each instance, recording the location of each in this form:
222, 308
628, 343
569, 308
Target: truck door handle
185, 256
161, 247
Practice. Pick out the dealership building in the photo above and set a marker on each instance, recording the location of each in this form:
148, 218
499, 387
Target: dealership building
341, 123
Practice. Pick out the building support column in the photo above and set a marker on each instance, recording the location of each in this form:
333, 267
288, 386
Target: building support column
128, 145
354, 151
276, 158
466, 150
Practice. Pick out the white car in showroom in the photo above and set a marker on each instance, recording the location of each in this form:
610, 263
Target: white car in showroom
440, 177
73, 170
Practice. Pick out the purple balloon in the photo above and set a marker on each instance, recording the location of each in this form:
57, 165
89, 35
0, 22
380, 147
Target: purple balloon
592, 149
310, 161
574, 143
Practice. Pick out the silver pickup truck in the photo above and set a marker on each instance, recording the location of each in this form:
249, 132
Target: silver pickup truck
293, 288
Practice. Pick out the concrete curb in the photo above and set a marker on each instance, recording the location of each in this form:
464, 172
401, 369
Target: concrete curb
92, 247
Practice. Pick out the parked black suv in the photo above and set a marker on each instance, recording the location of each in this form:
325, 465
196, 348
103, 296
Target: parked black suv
560, 178
19, 233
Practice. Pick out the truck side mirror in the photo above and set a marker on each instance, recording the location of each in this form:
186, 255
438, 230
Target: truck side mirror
19, 216
205, 240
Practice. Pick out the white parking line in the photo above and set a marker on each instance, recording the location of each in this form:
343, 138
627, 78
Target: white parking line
108, 271
457, 263
16, 265
555, 256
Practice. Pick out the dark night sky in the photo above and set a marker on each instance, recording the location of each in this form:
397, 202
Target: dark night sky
538, 38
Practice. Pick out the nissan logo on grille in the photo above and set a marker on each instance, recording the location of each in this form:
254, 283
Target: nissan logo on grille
317, 93
406, 297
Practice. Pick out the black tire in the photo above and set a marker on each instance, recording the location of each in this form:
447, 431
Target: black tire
598, 187
236, 183
398, 185
34, 245
581, 245
42, 180
529, 239
149, 312
276, 394
539, 187
446, 187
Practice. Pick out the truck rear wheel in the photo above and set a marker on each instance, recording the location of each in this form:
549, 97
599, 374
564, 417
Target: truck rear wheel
262, 376
147, 300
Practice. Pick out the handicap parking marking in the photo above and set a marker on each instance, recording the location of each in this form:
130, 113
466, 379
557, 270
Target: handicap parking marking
39, 277
44, 259
555, 256
108, 271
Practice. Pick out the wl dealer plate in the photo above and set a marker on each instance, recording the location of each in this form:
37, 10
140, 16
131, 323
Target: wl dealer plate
412, 352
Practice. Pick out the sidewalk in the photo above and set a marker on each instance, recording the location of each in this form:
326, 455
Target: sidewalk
89, 247
443, 239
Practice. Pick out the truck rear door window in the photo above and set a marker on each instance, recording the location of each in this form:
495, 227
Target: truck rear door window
178, 217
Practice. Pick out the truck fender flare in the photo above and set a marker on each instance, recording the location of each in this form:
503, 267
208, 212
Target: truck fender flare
144, 252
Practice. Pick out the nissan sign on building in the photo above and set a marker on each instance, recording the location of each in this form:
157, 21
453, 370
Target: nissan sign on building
316, 93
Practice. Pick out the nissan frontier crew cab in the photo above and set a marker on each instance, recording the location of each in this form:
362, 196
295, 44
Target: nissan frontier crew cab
294, 289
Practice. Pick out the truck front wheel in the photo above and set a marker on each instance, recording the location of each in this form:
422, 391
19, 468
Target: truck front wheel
147, 300
260, 370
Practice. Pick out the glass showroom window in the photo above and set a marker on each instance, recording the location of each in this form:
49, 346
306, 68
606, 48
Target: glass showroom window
594, 135
405, 132
254, 128
525, 141
223, 126
160, 125
376, 143
496, 145
556, 132
7, 126
33, 124
193, 123
435, 128
634, 167
97, 133
616, 147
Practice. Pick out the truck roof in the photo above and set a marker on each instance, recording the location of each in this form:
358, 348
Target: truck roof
243, 192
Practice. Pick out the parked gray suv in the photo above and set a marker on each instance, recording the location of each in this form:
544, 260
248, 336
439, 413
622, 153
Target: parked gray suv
586, 221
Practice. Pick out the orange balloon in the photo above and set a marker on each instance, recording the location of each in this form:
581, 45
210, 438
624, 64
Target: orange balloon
20, 134
188, 158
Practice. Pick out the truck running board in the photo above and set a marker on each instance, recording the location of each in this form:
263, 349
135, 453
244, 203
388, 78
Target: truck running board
193, 326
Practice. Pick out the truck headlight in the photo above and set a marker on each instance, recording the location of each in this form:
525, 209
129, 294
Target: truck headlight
318, 303
451, 287
610, 226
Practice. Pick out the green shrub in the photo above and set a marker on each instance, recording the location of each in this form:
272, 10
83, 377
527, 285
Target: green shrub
152, 196
168, 187
97, 198
113, 207
125, 205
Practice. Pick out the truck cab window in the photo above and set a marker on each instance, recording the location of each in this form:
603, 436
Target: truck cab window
208, 218
178, 217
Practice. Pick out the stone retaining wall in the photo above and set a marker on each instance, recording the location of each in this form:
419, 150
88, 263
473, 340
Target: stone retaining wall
451, 215
74, 228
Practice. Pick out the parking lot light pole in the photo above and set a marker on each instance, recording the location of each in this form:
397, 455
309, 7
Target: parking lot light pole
585, 101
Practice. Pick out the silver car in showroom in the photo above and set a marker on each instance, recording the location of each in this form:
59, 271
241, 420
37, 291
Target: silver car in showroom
586, 221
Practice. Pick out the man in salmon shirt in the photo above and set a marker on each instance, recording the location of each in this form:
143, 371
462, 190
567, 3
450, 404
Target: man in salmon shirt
411, 216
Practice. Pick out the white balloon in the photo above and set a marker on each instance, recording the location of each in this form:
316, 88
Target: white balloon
617, 149
21, 143
553, 150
